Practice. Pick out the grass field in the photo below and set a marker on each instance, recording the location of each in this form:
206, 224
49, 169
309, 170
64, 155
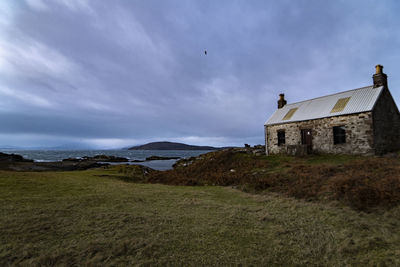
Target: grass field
94, 217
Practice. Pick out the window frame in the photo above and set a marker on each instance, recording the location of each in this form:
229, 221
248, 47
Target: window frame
339, 134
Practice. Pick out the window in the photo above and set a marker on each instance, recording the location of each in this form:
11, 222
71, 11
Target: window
339, 135
289, 114
281, 138
340, 104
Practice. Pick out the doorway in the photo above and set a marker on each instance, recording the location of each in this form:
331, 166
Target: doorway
306, 139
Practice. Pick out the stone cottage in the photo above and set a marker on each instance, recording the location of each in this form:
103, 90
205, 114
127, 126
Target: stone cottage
359, 121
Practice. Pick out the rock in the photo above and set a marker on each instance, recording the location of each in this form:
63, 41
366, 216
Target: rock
185, 162
50, 166
13, 158
106, 158
72, 160
97, 158
258, 152
160, 158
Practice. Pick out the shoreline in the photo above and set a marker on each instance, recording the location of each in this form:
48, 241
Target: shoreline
131, 155
16, 162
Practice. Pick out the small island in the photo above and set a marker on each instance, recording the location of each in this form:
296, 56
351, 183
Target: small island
170, 146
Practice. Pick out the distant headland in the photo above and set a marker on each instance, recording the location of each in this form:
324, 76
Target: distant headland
170, 146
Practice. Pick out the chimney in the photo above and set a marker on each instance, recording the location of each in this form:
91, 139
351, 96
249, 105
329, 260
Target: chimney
281, 102
380, 78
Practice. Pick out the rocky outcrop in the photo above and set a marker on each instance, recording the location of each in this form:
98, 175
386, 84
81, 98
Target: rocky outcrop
160, 158
13, 158
16, 162
98, 158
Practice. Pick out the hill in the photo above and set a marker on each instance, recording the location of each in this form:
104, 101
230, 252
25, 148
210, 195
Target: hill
170, 146
363, 183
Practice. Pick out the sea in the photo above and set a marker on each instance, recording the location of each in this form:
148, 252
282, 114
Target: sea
58, 155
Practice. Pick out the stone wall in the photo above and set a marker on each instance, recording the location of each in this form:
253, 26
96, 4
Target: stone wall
386, 119
358, 127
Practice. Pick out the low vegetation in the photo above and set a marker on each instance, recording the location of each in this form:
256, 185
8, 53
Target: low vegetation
360, 182
324, 210
96, 217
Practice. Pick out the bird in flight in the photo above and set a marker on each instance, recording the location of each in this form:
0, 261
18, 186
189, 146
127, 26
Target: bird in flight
205, 52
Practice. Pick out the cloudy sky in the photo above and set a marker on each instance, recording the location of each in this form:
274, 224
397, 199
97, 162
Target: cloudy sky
118, 73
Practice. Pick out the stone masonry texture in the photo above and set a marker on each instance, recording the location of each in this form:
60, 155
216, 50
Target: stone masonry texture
358, 127
386, 122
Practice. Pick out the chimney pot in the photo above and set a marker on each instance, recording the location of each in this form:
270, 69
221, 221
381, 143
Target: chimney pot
281, 102
379, 69
379, 78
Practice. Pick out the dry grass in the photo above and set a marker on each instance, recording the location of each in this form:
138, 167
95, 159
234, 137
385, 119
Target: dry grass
97, 218
362, 183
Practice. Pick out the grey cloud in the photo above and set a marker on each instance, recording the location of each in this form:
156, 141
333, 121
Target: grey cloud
136, 70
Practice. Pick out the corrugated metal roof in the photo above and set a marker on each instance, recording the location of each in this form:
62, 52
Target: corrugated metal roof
360, 100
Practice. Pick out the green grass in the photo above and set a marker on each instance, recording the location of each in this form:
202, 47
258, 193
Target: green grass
95, 218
